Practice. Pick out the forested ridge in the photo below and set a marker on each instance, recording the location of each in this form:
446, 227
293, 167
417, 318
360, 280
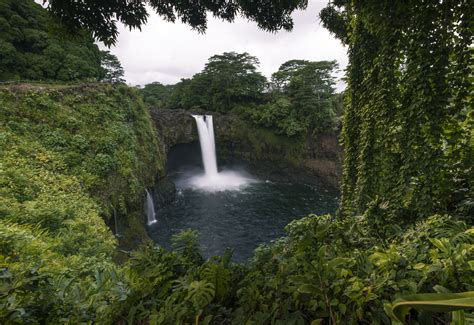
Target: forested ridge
299, 99
400, 249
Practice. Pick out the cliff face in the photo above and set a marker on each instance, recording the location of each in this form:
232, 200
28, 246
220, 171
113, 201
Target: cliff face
87, 154
315, 159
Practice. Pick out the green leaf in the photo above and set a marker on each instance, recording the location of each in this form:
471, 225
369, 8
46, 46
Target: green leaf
437, 302
441, 289
471, 265
342, 308
439, 244
307, 288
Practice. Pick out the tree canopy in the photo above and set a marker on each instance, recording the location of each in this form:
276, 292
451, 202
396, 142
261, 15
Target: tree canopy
112, 70
299, 99
226, 81
157, 95
34, 46
101, 16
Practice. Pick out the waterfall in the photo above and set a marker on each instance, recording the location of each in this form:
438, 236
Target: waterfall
208, 146
116, 224
150, 209
212, 180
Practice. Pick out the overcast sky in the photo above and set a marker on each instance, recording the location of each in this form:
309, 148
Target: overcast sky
167, 52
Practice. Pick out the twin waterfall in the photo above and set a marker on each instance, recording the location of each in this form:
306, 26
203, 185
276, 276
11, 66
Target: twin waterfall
205, 128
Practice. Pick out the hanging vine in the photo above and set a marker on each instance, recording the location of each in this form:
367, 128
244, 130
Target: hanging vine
407, 128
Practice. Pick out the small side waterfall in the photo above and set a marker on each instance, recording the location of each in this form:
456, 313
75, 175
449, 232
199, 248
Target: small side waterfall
150, 209
116, 224
208, 146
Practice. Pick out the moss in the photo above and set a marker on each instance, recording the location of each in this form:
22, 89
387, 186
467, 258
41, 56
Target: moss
260, 143
70, 156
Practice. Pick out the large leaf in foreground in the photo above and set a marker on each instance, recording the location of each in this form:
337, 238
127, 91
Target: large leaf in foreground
436, 302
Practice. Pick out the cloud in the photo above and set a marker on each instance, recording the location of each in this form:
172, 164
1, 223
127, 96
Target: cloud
167, 52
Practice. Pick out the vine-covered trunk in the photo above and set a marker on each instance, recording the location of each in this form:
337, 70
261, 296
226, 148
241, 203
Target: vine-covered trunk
408, 122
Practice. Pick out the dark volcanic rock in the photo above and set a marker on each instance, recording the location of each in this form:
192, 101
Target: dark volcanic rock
174, 126
164, 192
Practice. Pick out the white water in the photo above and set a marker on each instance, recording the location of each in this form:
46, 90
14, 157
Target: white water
208, 147
116, 224
150, 209
212, 180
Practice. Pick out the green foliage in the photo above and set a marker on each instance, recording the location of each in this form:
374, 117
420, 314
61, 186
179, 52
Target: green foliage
279, 115
301, 100
33, 46
328, 271
270, 15
408, 123
158, 95
185, 243
69, 156
337, 271
227, 81
112, 70
435, 302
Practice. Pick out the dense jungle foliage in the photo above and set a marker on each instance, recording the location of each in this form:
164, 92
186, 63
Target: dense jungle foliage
71, 155
35, 46
408, 129
299, 98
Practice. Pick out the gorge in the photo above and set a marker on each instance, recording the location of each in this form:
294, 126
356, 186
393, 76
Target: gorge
230, 208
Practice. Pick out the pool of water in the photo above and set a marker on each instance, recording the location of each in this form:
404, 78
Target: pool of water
241, 218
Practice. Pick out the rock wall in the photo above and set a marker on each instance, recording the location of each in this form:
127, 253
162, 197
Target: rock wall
317, 158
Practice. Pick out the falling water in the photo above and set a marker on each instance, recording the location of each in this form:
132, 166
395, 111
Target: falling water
212, 180
208, 147
116, 224
150, 209
210, 129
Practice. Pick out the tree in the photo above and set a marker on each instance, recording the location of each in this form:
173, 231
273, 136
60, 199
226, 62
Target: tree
100, 17
157, 95
310, 89
33, 46
179, 94
112, 70
227, 81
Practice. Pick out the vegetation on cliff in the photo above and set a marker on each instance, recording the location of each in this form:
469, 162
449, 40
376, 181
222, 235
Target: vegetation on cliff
71, 155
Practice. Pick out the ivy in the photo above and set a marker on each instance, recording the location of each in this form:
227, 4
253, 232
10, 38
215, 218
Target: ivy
407, 128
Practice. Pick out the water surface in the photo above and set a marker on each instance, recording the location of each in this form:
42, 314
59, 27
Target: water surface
240, 219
